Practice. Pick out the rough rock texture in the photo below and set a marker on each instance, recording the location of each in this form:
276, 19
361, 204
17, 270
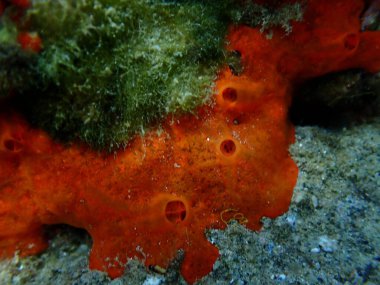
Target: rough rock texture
159, 194
331, 233
339, 246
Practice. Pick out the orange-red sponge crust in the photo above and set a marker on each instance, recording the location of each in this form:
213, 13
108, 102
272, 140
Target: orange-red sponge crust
230, 161
161, 193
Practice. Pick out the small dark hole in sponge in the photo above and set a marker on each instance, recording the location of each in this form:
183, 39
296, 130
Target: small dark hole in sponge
175, 211
228, 147
12, 145
229, 94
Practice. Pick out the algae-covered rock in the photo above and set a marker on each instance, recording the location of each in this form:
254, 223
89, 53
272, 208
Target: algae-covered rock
111, 69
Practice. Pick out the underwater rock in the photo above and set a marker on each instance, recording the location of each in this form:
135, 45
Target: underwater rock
227, 162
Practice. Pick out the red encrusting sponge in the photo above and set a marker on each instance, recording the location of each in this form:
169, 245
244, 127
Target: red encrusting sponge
230, 161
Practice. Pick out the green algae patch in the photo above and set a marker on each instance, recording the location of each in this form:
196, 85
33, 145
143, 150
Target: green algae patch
111, 69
